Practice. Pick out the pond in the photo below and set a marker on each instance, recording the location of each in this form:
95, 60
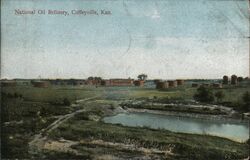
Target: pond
234, 131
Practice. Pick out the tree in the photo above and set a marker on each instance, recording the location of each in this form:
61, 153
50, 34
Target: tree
142, 77
219, 96
246, 101
90, 78
204, 94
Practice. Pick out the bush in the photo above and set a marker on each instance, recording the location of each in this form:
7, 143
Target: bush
248, 142
61, 102
219, 96
204, 95
246, 101
112, 107
66, 102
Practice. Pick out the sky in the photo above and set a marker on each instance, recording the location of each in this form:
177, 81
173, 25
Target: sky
165, 39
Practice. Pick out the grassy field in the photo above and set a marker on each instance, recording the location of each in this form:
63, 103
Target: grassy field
23, 117
187, 146
232, 94
51, 94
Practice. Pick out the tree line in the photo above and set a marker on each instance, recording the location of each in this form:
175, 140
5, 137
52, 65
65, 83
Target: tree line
206, 95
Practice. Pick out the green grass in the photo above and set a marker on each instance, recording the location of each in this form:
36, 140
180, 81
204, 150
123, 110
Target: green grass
232, 94
52, 93
26, 119
200, 147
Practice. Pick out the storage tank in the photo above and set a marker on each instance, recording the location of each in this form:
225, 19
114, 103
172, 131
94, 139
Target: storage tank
172, 83
161, 85
234, 80
225, 80
180, 82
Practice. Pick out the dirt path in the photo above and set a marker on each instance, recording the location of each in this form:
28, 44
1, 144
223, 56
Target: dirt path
39, 140
65, 146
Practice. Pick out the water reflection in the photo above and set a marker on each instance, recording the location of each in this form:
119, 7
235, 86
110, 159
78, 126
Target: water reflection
239, 131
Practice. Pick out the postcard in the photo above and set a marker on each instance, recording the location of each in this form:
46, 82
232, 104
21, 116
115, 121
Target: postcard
125, 79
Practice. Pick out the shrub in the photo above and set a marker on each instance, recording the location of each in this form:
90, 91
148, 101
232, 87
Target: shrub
248, 142
219, 96
66, 101
204, 95
60, 102
112, 107
246, 101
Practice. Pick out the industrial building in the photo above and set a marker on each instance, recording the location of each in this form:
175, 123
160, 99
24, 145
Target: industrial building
93, 81
8, 83
73, 82
118, 82
139, 83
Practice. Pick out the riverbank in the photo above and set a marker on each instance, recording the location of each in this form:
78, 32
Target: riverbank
236, 132
180, 145
185, 108
220, 118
